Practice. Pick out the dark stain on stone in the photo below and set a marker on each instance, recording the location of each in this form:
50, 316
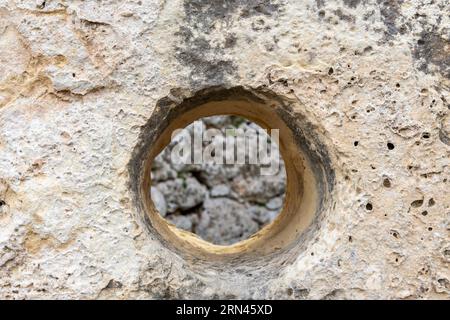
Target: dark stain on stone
390, 11
319, 157
299, 293
344, 16
214, 71
444, 137
113, 284
352, 3
230, 41
257, 7
320, 3
207, 61
432, 49
195, 54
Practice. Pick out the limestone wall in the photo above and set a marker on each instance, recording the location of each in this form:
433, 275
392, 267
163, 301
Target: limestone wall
81, 80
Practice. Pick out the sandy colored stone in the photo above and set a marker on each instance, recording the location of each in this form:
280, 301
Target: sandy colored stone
78, 80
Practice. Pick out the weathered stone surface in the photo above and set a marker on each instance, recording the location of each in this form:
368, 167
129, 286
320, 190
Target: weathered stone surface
79, 79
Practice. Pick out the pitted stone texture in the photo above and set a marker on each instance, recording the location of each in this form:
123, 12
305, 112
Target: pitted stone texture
87, 75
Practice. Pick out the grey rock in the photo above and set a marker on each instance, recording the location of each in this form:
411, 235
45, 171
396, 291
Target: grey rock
260, 189
161, 170
262, 215
182, 193
275, 203
184, 222
225, 221
220, 190
214, 174
217, 121
159, 201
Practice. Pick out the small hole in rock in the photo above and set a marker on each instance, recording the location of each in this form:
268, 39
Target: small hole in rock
431, 202
424, 213
355, 143
386, 183
330, 71
430, 229
417, 203
425, 135
369, 206
390, 145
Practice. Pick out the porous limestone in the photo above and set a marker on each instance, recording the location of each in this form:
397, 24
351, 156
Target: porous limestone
80, 79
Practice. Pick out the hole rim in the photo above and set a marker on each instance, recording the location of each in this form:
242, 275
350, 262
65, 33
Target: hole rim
310, 148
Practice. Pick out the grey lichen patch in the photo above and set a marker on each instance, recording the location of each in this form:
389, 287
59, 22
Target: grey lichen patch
433, 51
206, 40
202, 68
444, 131
223, 9
352, 3
390, 12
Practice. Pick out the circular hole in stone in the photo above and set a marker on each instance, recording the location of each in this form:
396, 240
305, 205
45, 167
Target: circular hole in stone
221, 178
310, 177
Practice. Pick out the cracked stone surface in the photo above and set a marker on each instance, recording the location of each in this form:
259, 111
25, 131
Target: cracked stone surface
78, 80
